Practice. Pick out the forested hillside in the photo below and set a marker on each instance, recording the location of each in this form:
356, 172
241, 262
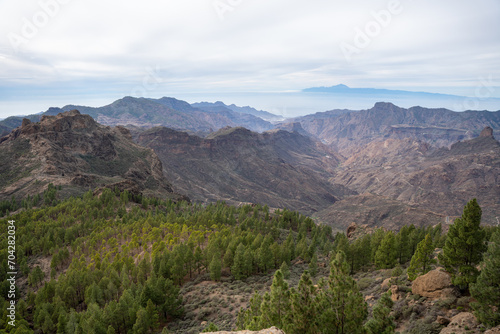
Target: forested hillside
112, 262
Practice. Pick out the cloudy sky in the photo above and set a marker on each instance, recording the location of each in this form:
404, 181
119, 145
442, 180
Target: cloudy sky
57, 52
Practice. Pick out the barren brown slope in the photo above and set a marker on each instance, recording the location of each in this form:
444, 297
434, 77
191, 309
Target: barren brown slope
437, 180
77, 153
278, 168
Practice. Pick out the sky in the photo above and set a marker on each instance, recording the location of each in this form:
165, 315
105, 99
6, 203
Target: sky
58, 52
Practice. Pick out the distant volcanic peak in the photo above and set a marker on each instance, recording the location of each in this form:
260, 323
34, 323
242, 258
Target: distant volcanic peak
487, 132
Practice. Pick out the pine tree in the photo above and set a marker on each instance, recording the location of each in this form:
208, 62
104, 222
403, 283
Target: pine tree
486, 290
303, 310
342, 308
385, 257
238, 267
215, 268
402, 244
313, 265
464, 246
422, 259
279, 300
381, 322
285, 270
141, 325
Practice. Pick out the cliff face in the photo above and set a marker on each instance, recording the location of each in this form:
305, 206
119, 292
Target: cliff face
74, 151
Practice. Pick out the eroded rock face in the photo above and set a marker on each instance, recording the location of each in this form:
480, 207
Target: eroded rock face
487, 132
435, 284
272, 330
74, 151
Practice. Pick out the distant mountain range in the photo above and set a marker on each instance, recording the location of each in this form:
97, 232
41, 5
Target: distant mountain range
170, 112
347, 130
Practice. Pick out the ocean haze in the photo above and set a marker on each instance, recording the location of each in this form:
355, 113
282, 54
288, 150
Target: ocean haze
284, 104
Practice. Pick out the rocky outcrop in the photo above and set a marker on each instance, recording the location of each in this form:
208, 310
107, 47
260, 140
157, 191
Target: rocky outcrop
435, 284
272, 330
494, 330
73, 151
464, 322
487, 132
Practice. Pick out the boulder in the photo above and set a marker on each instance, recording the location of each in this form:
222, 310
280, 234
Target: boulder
464, 322
435, 284
396, 294
386, 284
351, 230
272, 330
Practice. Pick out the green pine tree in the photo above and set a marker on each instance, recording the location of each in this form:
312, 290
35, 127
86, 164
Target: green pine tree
279, 300
215, 268
386, 255
381, 322
313, 265
238, 267
486, 290
342, 308
422, 259
303, 310
464, 246
285, 270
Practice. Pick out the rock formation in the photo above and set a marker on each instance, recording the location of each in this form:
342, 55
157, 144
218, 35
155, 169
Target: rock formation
73, 151
435, 284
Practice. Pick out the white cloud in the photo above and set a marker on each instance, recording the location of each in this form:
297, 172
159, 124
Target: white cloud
259, 45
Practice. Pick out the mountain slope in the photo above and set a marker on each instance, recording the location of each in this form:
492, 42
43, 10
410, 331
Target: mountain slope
278, 168
439, 180
267, 116
171, 113
73, 151
348, 131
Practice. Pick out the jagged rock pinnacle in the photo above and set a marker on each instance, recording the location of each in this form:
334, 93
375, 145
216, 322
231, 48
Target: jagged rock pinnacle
487, 132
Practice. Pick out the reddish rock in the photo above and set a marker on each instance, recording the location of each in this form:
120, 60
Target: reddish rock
435, 284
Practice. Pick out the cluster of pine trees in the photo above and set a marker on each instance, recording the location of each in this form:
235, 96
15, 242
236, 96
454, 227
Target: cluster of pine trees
335, 305
118, 260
